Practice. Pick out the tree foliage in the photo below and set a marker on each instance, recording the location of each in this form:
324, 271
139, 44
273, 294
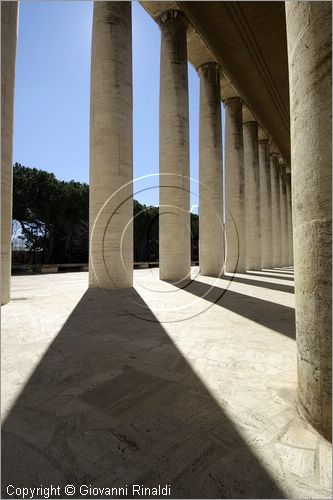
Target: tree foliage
53, 217
53, 214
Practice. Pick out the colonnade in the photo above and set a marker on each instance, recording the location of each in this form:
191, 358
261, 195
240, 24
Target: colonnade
251, 221
258, 206
262, 230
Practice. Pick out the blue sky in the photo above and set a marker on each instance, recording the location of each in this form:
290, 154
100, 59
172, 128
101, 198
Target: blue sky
51, 128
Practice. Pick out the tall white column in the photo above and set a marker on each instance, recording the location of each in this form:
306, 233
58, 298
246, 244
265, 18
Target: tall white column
309, 36
265, 205
211, 233
290, 221
8, 57
284, 215
276, 213
252, 195
174, 212
111, 168
235, 186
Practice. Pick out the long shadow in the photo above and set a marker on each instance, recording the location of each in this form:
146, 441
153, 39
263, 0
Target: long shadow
289, 272
285, 268
275, 316
261, 284
113, 402
266, 275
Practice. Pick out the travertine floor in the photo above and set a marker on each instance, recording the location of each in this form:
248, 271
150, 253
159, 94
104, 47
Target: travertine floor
192, 387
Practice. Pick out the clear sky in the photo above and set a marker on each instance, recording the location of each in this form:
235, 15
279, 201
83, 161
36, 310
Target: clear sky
51, 129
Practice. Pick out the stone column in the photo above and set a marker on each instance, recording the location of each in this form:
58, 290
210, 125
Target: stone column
211, 233
284, 215
290, 221
8, 57
276, 213
235, 186
111, 169
174, 212
265, 205
309, 36
252, 195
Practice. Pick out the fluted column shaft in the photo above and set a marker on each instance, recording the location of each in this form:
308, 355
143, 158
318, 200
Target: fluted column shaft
235, 186
111, 166
309, 36
265, 205
290, 221
211, 234
8, 57
252, 195
174, 211
284, 216
276, 213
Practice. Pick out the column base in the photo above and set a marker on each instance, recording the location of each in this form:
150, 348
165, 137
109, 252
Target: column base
212, 273
324, 430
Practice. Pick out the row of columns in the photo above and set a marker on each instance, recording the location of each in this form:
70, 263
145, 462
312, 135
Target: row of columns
259, 222
174, 211
258, 206
249, 218
250, 236
111, 257
253, 174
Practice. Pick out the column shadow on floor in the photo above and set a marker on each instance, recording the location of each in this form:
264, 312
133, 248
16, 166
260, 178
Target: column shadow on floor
286, 269
266, 274
113, 402
281, 270
275, 316
261, 284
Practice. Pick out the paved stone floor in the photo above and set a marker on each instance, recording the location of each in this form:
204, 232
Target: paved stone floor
191, 387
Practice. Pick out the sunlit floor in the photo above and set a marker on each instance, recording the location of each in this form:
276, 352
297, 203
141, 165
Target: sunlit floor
191, 387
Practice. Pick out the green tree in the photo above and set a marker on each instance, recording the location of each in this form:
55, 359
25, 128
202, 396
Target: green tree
145, 232
48, 210
53, 216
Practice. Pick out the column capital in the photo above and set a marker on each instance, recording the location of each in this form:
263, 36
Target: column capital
263, 141
209, 65
251, 122
282, 164
282, 169
233, 99
262, 135
170, 15
248, 116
